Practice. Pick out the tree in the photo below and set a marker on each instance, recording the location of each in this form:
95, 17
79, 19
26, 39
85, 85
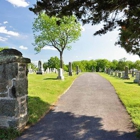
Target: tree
45, 65
53, 62
114, 64
2, 48
47, 32
32, 66
124, 14
130, 64
137, 65
102, 64
121, 64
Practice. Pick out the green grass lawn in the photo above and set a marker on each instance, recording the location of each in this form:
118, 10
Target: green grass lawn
129, 94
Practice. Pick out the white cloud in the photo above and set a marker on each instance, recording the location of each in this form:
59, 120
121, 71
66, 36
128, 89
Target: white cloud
5, 31
48, 48
3, 38
19, 3
13, 47
5, 22
23, 47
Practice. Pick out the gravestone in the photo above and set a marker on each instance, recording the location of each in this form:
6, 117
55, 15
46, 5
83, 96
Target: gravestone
40, 68
77, 70
13, 89
50, 70
132, 72
137, 77
125, 76
111, 72
119, 74
60, 74
30, 70
105, 70
116, 72
70, 69
47, 70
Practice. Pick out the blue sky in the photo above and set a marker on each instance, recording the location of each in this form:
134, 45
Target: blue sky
16, 32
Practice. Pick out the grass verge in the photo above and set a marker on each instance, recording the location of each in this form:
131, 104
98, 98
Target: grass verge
129, 94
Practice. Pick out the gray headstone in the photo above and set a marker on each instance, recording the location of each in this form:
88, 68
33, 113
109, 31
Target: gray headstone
40, 68
77, 70
137, 77
70, 69
126, 76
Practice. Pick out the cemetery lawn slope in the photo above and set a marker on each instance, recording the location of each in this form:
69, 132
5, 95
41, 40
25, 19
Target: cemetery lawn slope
129, 94
43, 92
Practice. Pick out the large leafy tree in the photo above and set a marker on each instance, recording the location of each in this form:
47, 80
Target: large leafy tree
114, 64
137, 64
102, 64
53, 62
55, 32
124, 14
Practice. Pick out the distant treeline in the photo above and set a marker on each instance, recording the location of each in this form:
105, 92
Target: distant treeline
91, 65
102, 64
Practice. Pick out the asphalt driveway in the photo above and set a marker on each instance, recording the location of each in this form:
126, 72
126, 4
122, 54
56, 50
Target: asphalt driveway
89, 110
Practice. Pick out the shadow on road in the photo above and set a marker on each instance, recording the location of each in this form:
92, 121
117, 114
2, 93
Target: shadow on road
67, 126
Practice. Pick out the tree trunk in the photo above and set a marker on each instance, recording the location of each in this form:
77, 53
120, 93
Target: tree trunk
61, 60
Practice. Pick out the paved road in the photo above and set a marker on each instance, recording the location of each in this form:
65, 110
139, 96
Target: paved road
89, 110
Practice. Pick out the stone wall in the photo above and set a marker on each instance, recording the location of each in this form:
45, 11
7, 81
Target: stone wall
13, 89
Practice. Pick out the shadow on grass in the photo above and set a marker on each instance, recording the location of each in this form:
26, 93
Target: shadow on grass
130, 83
50, 79
36, 109
68, 126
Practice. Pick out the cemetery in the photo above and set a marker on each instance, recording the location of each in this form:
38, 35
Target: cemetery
44, 88
46, 99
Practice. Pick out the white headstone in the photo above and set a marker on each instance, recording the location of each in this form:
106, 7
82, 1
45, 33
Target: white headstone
60, 74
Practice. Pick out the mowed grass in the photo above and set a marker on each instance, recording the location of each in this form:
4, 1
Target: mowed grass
43, 92
129, 94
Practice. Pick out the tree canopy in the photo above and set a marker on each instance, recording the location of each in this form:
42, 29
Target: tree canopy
112, 13
53, 62
47, 32
2, 48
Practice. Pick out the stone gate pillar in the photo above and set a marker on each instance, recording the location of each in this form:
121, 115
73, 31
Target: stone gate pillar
13, 89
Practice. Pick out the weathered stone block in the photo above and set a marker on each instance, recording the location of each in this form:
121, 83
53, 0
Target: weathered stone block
8, 107
21, 75
23, 108
20, 91
3, 84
